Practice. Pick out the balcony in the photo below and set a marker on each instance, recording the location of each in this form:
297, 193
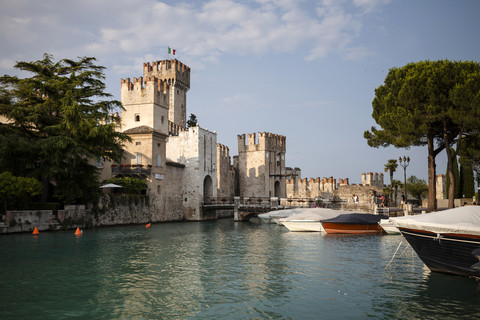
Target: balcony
131, 170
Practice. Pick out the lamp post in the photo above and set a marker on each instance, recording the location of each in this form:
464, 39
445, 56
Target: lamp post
404, 163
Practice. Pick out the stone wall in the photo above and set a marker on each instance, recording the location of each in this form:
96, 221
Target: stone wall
174, 192
26, 221
113, 210
373, 179
328, 189
364, 192
441, 186
261, 165
225, 173
145, 104
195, 148
128, 209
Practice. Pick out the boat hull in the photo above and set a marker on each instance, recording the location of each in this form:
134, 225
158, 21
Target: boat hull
303, 225
446, 253
331, 227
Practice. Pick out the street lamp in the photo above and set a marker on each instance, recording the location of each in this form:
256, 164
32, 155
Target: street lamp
404, 163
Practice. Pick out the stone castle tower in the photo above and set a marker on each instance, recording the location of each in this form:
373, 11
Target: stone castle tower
177, 76
261, 165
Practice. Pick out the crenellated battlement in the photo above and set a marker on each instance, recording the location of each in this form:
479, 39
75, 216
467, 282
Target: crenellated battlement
138, 91
174, 129
173, 71
315, 186
264, 141
223, 151
373, 179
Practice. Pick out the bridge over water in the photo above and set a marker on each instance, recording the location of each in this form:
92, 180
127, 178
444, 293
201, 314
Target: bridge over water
245, 208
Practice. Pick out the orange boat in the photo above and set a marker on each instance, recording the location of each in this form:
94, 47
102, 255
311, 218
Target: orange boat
354, 223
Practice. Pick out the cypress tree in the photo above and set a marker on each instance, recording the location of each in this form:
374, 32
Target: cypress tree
467, 182
458, 189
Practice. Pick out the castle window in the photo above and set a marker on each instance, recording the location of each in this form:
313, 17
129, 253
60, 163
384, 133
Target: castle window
159, 160
137, 117
138, 143
162, 119
178, 92
158, 189
99, 163
138, 158
158, 144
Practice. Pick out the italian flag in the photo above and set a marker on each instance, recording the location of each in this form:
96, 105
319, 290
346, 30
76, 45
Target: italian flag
171, 51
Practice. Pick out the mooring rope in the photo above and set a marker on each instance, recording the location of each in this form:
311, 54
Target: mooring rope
388, 265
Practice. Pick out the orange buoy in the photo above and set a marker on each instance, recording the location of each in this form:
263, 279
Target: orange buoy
78, 232
148, 225
35, 231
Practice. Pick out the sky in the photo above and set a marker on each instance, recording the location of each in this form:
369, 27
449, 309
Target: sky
299, 68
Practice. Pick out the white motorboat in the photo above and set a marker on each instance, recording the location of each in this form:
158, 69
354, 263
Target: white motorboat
308, 219
274, 216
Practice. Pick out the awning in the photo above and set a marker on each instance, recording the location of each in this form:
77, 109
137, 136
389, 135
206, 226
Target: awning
111, 185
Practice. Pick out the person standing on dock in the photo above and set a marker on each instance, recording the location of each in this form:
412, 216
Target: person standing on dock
402, 202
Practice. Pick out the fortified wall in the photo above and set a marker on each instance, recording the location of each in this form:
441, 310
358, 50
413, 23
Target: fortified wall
328, 189
225, 172
313, 188
196, 150
373, 179
261, 165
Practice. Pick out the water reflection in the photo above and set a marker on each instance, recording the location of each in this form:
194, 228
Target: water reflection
223, 270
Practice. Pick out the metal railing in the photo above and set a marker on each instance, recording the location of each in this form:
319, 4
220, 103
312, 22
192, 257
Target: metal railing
131, 169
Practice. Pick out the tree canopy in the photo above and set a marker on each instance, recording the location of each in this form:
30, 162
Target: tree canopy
192, 121
57, 123
129, 184
417, 188
432, 103
17, 188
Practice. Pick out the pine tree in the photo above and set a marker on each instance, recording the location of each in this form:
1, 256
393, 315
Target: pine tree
58, 123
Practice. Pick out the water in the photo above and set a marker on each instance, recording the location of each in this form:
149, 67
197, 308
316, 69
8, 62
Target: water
222, 270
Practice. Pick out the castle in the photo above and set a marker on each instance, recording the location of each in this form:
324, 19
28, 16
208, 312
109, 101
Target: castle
185, 167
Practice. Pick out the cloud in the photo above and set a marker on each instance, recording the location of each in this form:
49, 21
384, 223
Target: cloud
369, 5
202, 30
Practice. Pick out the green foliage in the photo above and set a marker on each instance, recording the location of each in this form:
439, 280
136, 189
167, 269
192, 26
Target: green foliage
130, 185
391, 166
417, 188
18, 189
433, 103
58, 124
18, 186
456, 174
192, 122
467, 183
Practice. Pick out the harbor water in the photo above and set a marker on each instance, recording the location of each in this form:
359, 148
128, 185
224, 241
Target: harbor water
223, 270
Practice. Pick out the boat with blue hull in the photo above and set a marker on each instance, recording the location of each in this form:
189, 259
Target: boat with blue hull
447, 241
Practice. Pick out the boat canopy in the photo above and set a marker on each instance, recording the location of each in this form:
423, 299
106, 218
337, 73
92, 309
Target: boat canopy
461, 220
313, 214
278, 213
357, 218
